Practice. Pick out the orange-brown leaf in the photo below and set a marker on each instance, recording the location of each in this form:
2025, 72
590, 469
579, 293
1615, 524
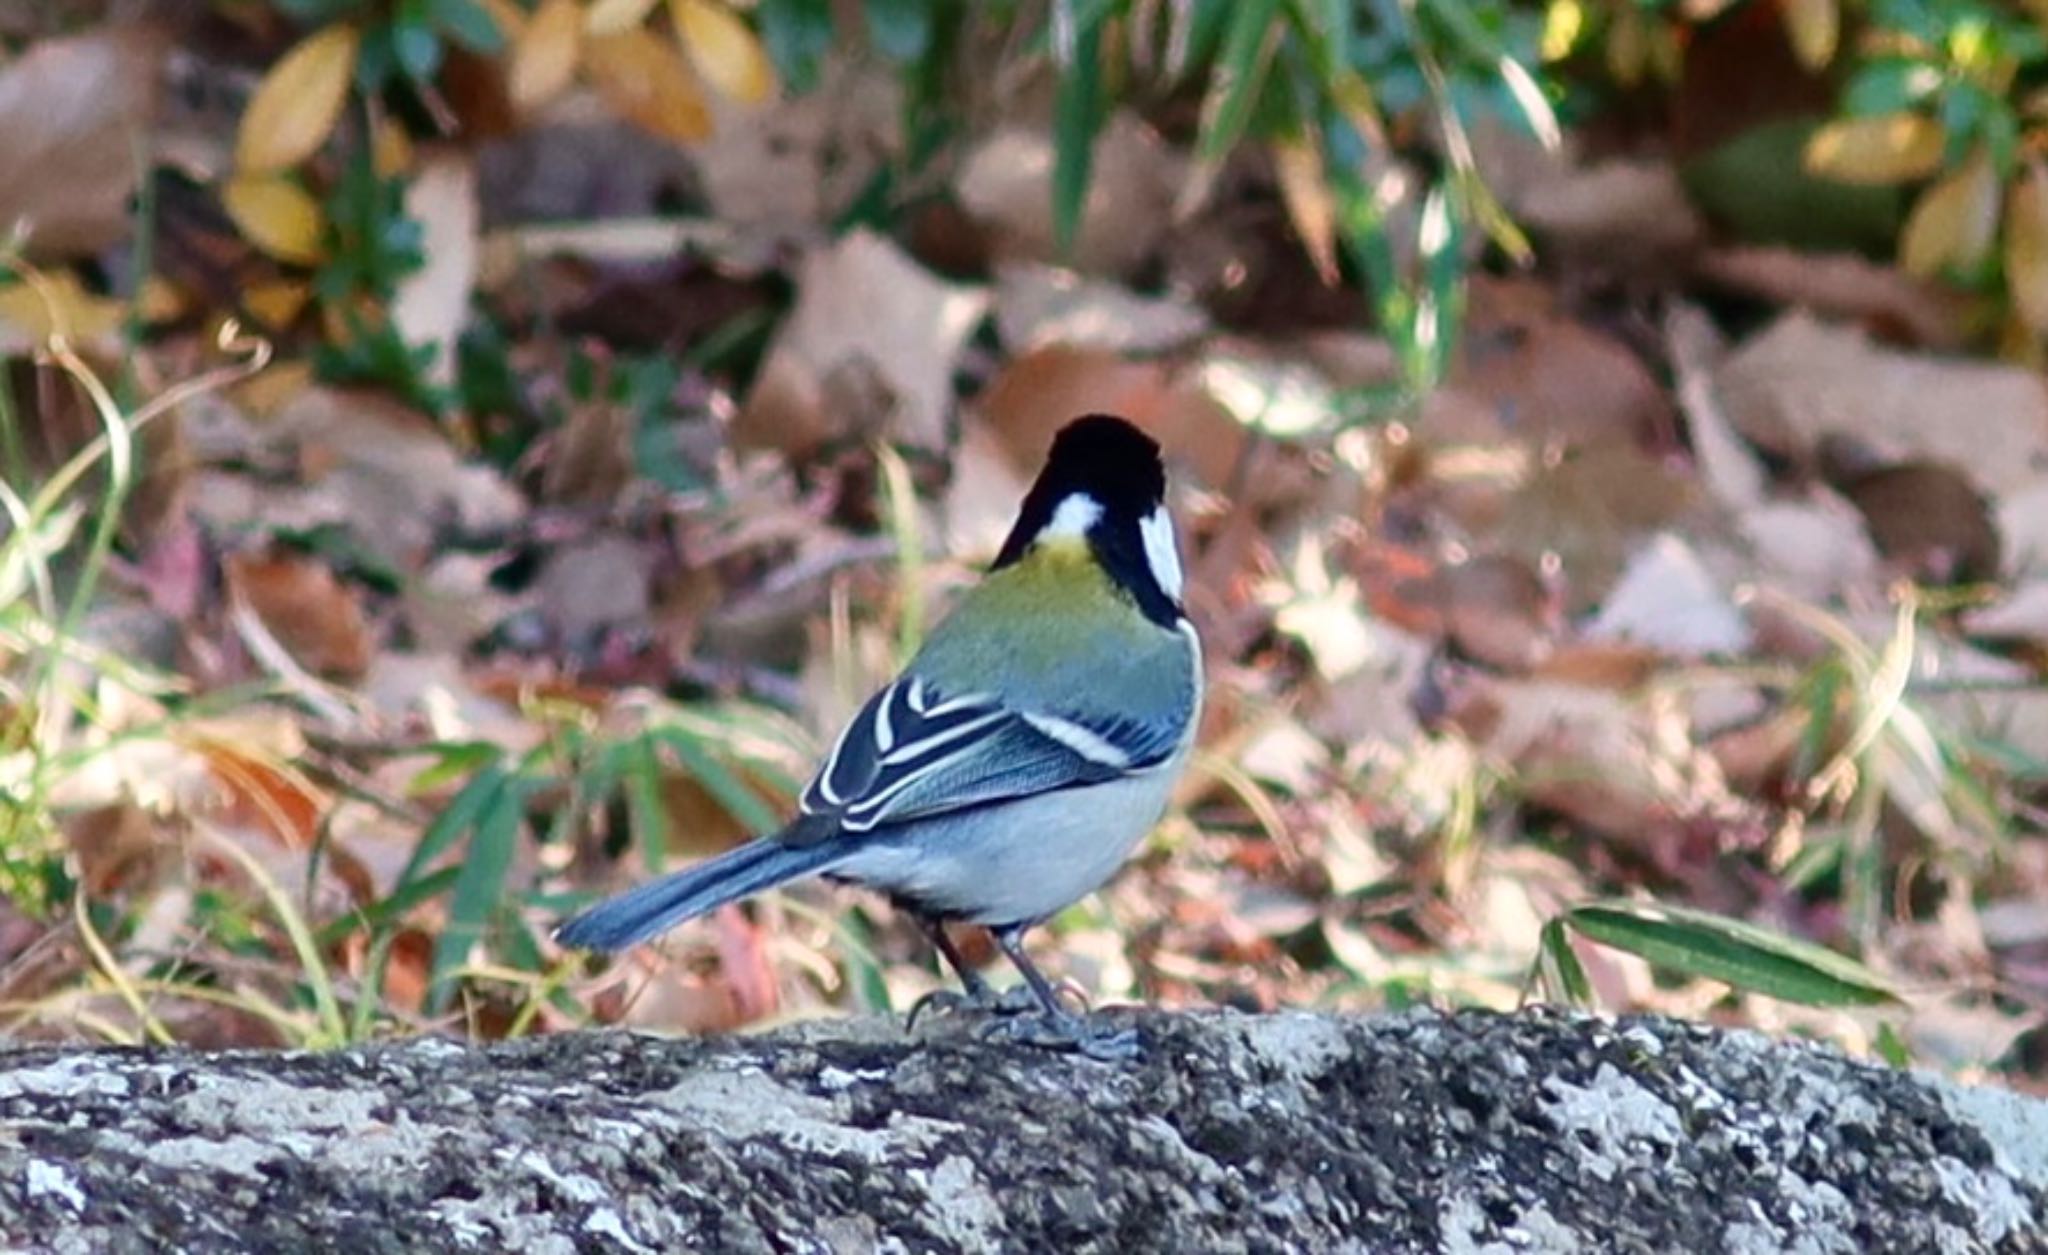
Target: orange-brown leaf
1304, 188
544, 58
313, 615
2026, 246
643, 80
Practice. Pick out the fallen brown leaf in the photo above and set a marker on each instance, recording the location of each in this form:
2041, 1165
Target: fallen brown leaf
317, 618
74, 112
868, 351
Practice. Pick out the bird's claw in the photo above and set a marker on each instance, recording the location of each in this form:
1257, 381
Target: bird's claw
1014, 1001
1065, 1032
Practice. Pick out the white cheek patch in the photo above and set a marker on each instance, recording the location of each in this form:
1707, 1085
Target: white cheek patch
1160, 552
1077, 513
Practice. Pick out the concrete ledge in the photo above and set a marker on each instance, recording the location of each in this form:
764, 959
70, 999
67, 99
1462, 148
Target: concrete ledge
1420, 1132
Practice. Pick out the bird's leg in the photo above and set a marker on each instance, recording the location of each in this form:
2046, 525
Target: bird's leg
1055, 1027
978, 996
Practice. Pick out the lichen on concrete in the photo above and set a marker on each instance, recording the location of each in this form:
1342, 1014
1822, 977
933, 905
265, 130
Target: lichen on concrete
1421, 1132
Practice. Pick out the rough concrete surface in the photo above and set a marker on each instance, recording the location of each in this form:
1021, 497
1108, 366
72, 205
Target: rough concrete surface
1466, 1132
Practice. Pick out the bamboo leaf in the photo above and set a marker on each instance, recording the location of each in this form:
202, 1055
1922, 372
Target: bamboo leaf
1311, 206
1557, 965
479, 886
719, 780
1239, 72
1732, 951
1077, 117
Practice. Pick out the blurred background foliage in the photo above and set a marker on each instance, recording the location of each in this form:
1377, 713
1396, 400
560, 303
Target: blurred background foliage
515, 431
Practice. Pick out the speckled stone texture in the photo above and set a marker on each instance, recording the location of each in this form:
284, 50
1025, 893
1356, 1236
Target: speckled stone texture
1422, 1132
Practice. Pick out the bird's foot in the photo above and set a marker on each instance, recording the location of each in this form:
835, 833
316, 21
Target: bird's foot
981, 1000
1061, 1031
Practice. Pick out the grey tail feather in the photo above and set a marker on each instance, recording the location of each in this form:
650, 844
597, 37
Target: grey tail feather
659, 905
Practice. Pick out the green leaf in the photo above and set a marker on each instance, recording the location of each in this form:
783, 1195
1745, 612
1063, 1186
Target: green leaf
414, 43
863, 972
1234, 83
1892, 1048
798, 34
469, 24
719, 780
479, 887
1077, 117
1325, 29
392, 906
900, 30
1889, 84
1699, 943
452, 759
643, 800
315, 12
1563, 976
462, 813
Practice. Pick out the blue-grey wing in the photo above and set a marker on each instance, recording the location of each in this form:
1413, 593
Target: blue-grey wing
912, 752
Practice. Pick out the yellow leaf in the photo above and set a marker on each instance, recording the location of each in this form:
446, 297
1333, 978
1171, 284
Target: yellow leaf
544, 58
59, 305
2026, 246
1884, 149
278, 303
160, 301
616, 17
276, 215
266, 392
1298, 163
390, 148
645, 82
1813, 26
1628, 46
1955, 220
724, 50
297, 104
1563, 22
1667, 54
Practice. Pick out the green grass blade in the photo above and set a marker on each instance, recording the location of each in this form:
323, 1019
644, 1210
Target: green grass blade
1077, 118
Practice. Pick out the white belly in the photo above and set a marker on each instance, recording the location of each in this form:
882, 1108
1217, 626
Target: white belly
1017, 862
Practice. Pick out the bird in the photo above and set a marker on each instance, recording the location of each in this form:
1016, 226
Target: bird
1023, 753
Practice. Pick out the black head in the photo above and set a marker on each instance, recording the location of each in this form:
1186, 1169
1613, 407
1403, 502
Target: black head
1104, 480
